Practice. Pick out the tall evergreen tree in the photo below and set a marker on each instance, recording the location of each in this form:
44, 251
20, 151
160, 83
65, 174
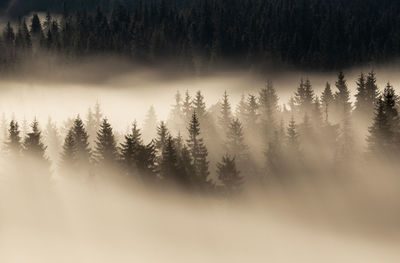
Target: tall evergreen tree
106, 146
342, 97
225, 113
33, 145
198, 153
83, 152
229, 175
150, 125
13, 143
268, 106
327, 101
69, 154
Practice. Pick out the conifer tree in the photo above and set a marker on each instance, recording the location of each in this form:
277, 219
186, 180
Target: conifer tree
304, 97
268, 106
361, 96
241, 109
229, 175
317, 113
293, 143
91, 127
251, 114
176, 120
275, 158
199, 106
33, 145
225, 113
14, 140
169, 161
162, 136
130, 150
198, 153
235, 144
106, 146
69, 154
187, 107
380, 138
342, 98
83, 152
150, 125
52, 141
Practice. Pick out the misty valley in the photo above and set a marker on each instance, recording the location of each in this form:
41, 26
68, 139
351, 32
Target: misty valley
199, 131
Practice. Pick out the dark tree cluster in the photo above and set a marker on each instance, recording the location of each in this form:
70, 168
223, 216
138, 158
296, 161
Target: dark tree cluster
198, 35
260, 140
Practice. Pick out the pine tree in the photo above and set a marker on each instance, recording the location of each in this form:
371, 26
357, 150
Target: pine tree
98, 117
275, 158
187, 107
361, 96
342, 97
162, 136
229, 175
241, 109
176, 120
199, 106
91, 127
169, 161
371, 92
69, 154
251, 114
150, 125
380, 138
106, 146
235, 143
13, 144
53, 141
268, 106
198, 153
83, 153
316, 114
130, 150
33, 145
293, 143
225, 113
304, 97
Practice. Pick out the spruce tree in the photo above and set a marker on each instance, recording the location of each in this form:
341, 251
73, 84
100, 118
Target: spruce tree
268, 106
241, 109
150, 125
199, 106
33, 145
342, 98
198, 153
130, 150
293, 143
229, 175
169, 161
13, 143
225, 113
380, 133
235, 143
187, 107
83, 152
69, 154
106, 146
162, 136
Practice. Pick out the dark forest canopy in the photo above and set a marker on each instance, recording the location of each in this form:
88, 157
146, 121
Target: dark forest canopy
202, 34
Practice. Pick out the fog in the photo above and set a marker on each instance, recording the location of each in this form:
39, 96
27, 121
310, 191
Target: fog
112, 218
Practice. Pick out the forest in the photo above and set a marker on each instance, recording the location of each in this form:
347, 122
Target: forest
201, 36
222, 148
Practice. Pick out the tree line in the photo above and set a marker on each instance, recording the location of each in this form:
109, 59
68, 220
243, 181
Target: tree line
203, 34
259, 141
